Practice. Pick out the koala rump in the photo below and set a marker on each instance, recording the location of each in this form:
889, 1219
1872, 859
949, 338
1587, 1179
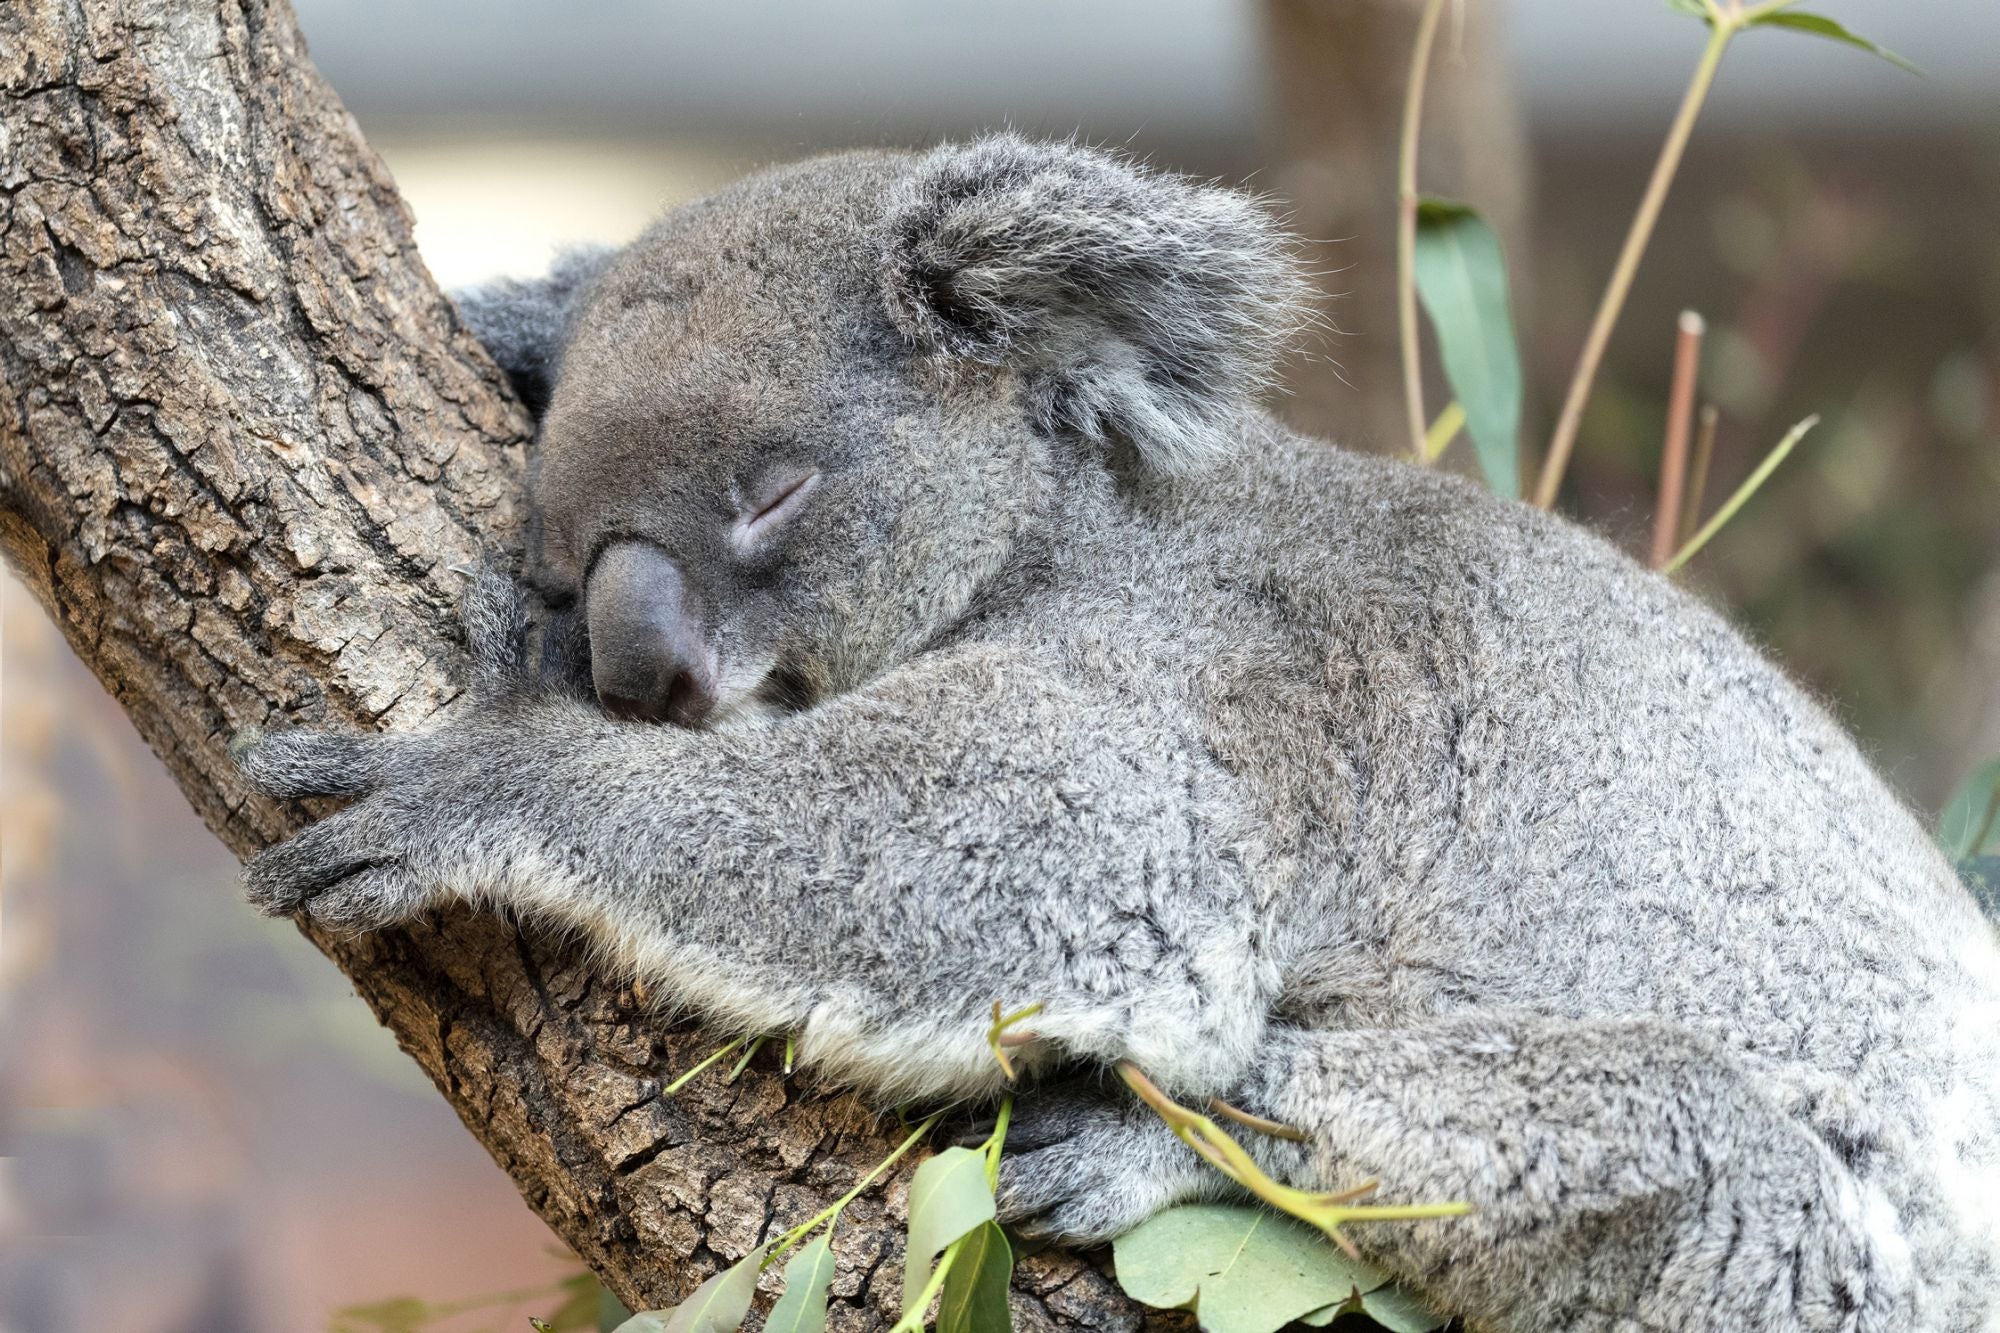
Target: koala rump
1008, 651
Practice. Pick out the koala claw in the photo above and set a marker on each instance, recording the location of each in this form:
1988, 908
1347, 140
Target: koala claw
1085, 1166
326, 871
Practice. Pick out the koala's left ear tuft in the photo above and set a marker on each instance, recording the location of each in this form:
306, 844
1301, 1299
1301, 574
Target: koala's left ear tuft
1138, 304
524, 322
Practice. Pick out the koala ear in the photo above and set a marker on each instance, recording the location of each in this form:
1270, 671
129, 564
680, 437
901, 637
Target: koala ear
524, 322
1138, 304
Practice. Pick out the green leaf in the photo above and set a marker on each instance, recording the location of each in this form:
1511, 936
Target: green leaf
1968, 817
611, 1311
1241, 1270
974, 1299
717, 1305
1399, 1312
582, 1296
1325, 1315
949, 1196
1691, 7
1982, 875
1821, 26
802, 1309
1462, 277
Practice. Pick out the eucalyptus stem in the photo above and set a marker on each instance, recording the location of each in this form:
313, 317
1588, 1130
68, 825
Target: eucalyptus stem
1327, 1211
1443, 431
1406, 229
744, 1063
1723, 27
1742, 496
833, 1210
713, 1056
1704, 454
997, 1141
1680, 431
912, 1320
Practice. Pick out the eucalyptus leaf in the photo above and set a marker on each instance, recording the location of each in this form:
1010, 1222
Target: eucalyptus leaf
1240, 1269
1462, 277
1325, 1315
1399, 1312
1821, 26
802, 1309
1691, 7
1965, 816
611, 1311
974, 1299
578, 1312
1982, 875
716, 1306
949, 1196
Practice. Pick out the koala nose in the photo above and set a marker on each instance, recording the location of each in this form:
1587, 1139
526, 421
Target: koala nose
648, 646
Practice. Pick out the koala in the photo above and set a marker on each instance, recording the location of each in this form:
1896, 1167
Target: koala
938, 619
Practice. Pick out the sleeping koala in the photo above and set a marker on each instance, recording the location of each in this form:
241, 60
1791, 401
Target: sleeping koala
952, 627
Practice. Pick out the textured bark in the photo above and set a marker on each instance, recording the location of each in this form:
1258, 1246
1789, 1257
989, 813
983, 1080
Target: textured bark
1339, 68
244, 445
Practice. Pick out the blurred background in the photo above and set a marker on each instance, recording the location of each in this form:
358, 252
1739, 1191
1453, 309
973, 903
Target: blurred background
204, 1132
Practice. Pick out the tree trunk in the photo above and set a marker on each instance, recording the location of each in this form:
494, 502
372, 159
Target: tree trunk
245, 448
1339, 68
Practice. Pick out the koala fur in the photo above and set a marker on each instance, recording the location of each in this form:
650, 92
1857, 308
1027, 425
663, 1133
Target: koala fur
1414, 818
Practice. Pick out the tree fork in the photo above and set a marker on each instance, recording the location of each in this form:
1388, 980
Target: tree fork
244, 443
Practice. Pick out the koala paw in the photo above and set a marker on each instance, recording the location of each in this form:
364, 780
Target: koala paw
353, 870
428, 806
1085, 1163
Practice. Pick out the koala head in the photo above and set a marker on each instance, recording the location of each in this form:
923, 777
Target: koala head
795, 430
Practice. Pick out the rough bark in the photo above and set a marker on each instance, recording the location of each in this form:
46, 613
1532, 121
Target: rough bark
244, 445
1338, 69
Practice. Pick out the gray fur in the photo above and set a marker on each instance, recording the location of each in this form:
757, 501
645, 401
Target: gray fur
524, 321
1415, 818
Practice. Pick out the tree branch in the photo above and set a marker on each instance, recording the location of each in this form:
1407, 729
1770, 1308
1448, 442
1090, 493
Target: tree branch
244, 442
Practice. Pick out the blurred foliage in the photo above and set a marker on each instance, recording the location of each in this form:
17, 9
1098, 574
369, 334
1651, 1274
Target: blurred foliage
577, 1304
1854, 278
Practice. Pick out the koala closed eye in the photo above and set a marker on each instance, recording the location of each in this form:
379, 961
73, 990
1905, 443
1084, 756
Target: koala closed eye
783, 498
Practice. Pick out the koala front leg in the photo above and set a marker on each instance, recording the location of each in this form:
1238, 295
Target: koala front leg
1624, 1174
873, 874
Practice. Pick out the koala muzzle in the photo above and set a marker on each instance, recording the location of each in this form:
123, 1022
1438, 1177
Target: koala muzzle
649, 655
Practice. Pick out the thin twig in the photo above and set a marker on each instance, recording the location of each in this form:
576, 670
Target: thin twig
1444, 430
1742, 495
1680, 425
1272, 1128
1327, 1211
1704, 454
1406, 227
1613, 304
744, 1063
682, 1081
1000, 1040
833, 1210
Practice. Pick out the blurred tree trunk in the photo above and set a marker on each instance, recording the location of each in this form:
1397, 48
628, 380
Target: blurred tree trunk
244, 444
1339, 68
